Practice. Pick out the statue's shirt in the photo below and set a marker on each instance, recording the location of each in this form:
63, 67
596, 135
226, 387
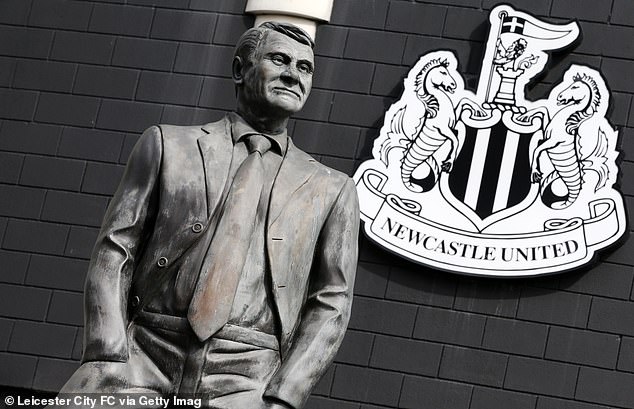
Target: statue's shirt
252, 306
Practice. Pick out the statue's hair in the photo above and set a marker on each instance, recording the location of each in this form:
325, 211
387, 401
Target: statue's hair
251, 39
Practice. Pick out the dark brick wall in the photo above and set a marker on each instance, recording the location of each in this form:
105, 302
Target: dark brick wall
80, 79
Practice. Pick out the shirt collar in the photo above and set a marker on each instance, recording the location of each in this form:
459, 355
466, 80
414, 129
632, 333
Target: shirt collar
240, 128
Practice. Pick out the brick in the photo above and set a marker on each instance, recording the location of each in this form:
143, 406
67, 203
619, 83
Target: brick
17, 370
3, 227
473, 366
13, 305
119, 19
169, 88
582, 347
516, 337
230, 27
7, 68
320, 402
81, 240
498, 298
39, 338
359, 110
359, 13
356, 348
388, 80
218, 93
79, 345
10, 167
106, 81
554, 307
465, 24
223, 6
406, 356
552, 403
582, 9
606, 387
50, 172
606, 279
386, 47
628, 171
537, 7
25, 42
179, 115
178, 4
14, 11
128, 116
44, 75
204, 59
626, 355
622, 12
47, 238
317, 106
330, 40
613, 70
469, 54
416, 18
323, 386
382, 316
57, 272
29, 137
620, 104
87, 210
602, 39
67, 109
343, 75
83, 47
424, 393
542, 377
144, 53
366, 385
555, 72
6, 326
102, 179
326, 139
17, 104
14, 266
371, 279
346, 166
485, 398
91, 144
412, 285
612, 316
52, 374
17, 201
68, 15
183, 25
448, 326
66, 308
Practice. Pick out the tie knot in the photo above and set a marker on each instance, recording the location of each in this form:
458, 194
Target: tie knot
259, 143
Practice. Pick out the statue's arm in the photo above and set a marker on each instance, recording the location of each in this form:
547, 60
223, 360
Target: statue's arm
125, 226
327, 309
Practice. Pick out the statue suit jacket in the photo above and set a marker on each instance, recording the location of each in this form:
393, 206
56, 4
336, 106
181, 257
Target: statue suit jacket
174, 180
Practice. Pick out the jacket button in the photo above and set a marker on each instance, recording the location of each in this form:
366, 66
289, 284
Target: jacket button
197, 227
162, 262
135, 301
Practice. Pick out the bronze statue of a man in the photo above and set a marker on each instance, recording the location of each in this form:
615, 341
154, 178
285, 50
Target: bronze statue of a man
225, 264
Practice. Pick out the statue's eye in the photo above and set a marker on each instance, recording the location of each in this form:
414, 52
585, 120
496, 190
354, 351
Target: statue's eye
278, 59
305, 68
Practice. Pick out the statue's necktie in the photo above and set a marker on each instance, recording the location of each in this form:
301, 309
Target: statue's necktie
216, 287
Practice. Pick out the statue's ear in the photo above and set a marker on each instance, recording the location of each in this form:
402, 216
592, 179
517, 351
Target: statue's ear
237, 70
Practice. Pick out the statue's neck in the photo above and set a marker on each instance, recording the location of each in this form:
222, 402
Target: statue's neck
261, 121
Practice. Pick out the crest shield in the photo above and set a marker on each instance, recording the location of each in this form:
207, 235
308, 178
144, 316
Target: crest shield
488, 182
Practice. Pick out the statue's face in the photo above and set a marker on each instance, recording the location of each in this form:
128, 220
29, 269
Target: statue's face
281, 74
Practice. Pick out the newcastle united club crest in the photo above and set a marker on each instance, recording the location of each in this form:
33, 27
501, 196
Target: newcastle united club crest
490, 183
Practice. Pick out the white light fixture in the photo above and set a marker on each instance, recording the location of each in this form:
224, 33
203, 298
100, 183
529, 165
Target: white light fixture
302, 13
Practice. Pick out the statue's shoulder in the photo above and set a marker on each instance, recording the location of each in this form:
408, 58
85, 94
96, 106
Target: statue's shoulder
334, 176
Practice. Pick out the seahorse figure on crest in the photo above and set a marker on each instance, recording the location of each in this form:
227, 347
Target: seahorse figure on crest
436, 122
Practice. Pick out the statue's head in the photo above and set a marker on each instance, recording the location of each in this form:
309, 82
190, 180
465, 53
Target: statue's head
273, 69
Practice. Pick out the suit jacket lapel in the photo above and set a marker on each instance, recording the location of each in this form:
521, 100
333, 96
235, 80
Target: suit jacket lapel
216, 147
296, 170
